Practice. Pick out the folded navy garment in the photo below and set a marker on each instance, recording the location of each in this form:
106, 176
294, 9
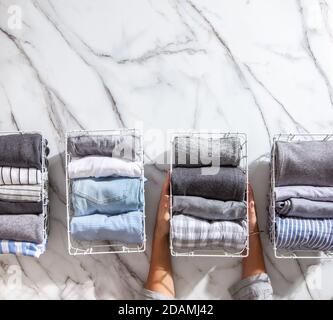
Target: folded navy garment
304, 234
125, 228
7, 207
220, 183
22, 227
21, 150
304, 208
209, 209
200, 151
126, 146
304, 192
304, 163
107, 195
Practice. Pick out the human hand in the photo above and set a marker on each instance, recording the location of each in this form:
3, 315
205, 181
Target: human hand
162, 226
253, 224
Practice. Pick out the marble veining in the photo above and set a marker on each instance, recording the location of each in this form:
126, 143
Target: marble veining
256, 66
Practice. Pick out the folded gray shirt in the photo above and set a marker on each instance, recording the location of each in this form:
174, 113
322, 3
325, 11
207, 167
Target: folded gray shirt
120, 146
200, 151
304, 163
22, 227
220, 183
304, 208
209, 209
304, 201
305, 192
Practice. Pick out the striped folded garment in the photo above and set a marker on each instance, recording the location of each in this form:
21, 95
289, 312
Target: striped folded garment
304, 234
11, 175
20, 193
194, 233
22, 248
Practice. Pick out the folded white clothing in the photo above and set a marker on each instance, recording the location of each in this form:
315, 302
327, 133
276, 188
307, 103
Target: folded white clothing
18, 193
11, 175
99, 166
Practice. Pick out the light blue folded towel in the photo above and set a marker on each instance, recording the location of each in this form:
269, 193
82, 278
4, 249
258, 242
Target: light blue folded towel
125, 228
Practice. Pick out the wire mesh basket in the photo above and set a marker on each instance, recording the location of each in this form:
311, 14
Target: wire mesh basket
76, 247
283, 253
192, 252
44, 181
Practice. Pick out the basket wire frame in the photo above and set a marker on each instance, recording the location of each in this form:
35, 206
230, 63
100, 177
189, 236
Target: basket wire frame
243, 164
45, 179
284, 253
76, 247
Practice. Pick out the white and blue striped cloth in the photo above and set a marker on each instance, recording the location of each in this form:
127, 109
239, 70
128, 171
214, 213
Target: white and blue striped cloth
304, 234
22, 248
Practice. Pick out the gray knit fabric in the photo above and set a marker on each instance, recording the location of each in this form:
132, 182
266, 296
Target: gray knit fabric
224, 183
21, 150
24, 227
209, 209
304, 163
257, 287
200, 151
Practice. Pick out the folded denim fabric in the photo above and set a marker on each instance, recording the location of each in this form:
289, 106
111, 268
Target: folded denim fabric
11, 175
304, 208
200, 151
220, 183
7, 207
304, 234
22, 227
22, 248
98, 166
304, 163
125, 228
125, 147
189, 232
21, 150
304, 192
106, 195
19, 193
209, 209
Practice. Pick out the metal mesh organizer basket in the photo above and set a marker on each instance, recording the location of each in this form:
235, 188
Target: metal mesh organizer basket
45, 180
283, 253
243, 165
76, 247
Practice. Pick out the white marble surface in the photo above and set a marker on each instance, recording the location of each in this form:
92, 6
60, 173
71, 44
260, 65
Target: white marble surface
255, 66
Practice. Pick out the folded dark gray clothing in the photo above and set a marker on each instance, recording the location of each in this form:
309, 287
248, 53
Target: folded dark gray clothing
23, 227
200, 151
220, 183
125, 147
21, 150
7, 207
304, 208
304, 192
304, 163
209, 209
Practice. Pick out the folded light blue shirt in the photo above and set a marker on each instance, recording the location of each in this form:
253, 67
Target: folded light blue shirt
107, 195
125, 228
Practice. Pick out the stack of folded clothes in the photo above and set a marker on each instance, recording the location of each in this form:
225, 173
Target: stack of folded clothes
22, 221
208, 188
107, 188
304, 195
